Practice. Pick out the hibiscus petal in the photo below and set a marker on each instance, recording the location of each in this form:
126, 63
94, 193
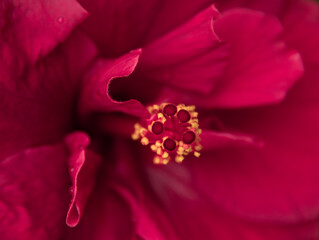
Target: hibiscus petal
107, 216
120, 207
134, 22
183, 42
274, 183
34, 195
33, 28
301, 25
278, 182
194, 216
190, 57
95, 95
261, 69
146, 216
244, 87
34, 192
42, 98
149, 219
83, 165
300, 20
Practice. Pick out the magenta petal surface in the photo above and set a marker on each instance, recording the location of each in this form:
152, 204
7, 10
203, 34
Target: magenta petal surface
107, 216
189, 209
261, 69
83, 165
133, 23
301, 22
36, 107
33, 28
36, 185
213, 140
34, 194
95, 90
121, 206
190, 57
276, 182
150, 219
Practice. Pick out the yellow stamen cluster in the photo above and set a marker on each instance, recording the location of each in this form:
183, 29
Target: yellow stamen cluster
143, 131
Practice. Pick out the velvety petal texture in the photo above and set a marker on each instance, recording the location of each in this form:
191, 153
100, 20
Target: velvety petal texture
260, 67
301, 21
43, 97
30, 29
23, 31
36, 188
120, 208
34, 193
192, 51
193, 215
131, 26
281, 177
107, 216
149, 219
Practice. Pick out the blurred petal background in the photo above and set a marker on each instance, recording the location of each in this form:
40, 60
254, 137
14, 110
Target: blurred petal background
75, 76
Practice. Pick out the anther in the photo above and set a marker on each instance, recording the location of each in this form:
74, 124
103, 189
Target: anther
189, 137
157, 128
170, 110
169, 144
183, 116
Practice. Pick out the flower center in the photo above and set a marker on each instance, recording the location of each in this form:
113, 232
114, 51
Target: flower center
172, 132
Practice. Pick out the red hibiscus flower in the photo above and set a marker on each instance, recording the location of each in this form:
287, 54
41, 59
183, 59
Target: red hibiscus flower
221, 98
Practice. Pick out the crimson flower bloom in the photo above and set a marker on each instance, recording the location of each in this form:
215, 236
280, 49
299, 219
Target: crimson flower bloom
223, 99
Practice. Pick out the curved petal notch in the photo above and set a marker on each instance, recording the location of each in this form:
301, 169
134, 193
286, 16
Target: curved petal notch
95, 91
